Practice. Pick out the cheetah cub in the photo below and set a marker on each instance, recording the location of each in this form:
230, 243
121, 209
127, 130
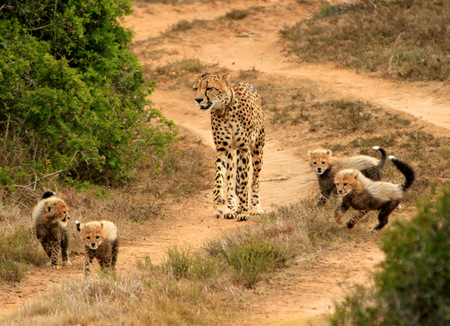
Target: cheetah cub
326, 166
50, 217
101, 241
364, 195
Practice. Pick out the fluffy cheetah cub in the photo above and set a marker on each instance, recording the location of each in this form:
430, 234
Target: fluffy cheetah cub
101, 241
364, 195
50, 217
326, 166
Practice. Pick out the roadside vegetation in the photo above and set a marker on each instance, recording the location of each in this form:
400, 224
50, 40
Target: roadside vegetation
73, 96
413, 285
402, 39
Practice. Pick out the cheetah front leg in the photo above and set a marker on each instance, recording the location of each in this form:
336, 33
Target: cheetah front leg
218, 200
51, 248
64, 247
242, 171
88, 262
356, 218
54, 245
230, 212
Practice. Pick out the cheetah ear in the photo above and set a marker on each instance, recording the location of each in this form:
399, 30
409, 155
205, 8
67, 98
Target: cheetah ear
328, 152
355, 174
226, 77
101, 225
309, 154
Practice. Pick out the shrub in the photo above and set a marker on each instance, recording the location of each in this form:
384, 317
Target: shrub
250, 261
178, 262
72, 95
414, 284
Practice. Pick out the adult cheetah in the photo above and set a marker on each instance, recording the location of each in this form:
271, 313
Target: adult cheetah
238, 130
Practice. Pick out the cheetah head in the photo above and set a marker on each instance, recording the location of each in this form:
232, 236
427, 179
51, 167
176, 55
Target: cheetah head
56, 209
92, 233
346, 181
212, 92
319, 160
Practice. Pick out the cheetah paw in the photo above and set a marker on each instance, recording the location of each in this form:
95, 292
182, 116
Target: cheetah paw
243, 217
229, 215
67, 263
218, 211
56, 267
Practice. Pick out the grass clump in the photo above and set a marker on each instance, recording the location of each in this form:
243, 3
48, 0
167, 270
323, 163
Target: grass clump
18, 249
404, 39
250, 261
180, 68
414, 284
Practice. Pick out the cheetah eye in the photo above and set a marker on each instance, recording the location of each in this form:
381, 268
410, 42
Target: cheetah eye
97, 237
323, 162
88, 237
195, 89
345, 184
209, 88
315, 163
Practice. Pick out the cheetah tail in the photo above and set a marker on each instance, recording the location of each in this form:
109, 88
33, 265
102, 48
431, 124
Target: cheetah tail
383, 158
407, 171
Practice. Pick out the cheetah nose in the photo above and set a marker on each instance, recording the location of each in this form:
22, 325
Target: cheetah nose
92, 245
199, 100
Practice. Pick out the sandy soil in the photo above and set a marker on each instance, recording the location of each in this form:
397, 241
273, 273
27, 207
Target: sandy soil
312, 286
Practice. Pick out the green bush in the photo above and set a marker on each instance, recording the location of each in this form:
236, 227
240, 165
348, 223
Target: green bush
72, 95
414, 284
